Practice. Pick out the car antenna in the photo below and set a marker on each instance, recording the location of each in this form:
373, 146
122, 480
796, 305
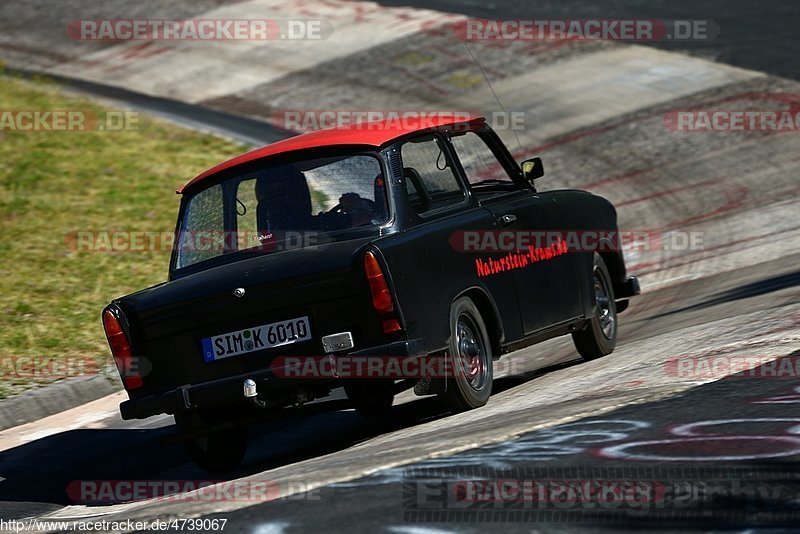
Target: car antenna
489, 83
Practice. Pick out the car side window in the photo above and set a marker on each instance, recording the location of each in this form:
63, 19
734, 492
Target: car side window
431, 178
479, 162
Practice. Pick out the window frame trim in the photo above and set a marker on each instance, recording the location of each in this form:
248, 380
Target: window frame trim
469, 199
500, 153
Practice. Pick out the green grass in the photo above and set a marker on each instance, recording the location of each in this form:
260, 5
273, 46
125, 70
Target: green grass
55, 183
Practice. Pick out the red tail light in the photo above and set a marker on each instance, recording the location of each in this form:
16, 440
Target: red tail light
381, 297
391, 325
121, 350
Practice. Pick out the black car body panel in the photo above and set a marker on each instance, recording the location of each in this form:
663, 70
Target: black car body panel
327, 283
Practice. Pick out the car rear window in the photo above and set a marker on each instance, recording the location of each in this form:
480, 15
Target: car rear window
277, 206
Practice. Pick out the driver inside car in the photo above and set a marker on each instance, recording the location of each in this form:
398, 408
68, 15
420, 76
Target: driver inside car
357, 208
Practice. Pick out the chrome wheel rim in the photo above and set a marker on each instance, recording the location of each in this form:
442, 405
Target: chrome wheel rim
472, 354
606, 312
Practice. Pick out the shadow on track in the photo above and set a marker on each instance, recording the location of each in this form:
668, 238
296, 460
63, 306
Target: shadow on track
719, 456
753, 289
40, 471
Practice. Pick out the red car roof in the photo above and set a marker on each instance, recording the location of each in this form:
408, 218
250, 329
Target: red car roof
372, 134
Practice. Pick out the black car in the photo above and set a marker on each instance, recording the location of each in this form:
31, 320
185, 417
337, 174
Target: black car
397, 243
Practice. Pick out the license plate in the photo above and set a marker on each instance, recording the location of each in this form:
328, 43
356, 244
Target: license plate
257, 338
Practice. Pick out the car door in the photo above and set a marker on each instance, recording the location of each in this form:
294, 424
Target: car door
542, 269
428, 271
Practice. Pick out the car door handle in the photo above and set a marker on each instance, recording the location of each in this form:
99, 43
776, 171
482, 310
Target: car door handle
506, 220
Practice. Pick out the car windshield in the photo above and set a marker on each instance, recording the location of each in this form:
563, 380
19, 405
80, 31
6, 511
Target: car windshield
279, 206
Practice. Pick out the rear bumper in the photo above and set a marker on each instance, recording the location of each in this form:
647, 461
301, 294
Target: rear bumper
229, 390
628, 288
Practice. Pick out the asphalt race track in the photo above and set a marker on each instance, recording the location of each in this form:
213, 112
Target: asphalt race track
704, 447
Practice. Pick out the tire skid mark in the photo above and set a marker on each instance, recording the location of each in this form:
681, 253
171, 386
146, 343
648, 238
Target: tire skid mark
735, 200
666, 192
700, 255
667, 263
784, 98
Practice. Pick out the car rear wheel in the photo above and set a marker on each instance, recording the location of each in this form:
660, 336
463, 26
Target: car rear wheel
599, 337
216, 452
469, 382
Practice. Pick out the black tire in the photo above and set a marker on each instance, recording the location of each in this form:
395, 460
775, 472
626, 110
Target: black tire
216, 452
372, 398
470, 355
599, 337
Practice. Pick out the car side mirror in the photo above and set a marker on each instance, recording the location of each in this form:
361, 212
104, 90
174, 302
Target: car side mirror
532, 169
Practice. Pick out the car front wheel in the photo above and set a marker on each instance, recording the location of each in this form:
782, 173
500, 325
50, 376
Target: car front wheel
599, 337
